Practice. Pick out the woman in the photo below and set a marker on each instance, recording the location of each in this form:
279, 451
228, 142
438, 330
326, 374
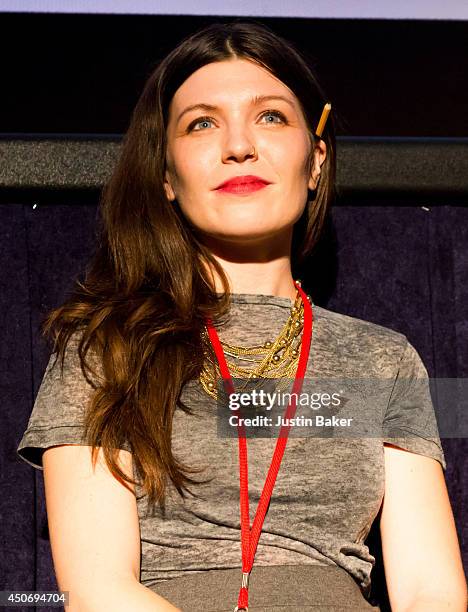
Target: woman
195, 277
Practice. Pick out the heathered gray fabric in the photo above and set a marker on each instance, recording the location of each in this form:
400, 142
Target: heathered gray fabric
273, 588
328, 490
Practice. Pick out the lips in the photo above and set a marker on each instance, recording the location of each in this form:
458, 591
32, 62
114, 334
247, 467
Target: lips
243, 184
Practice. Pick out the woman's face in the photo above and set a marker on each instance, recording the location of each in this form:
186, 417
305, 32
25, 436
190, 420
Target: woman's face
268, 139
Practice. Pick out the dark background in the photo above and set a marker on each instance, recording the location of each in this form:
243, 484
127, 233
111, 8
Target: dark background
83, 73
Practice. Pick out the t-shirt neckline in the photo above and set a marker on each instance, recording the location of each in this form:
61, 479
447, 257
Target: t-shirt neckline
261, 298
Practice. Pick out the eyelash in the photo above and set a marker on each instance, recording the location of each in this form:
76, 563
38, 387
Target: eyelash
267, 112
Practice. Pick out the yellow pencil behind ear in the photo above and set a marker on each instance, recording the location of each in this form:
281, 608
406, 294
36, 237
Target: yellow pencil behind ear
323, 120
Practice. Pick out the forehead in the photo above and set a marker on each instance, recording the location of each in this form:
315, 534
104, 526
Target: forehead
217, 82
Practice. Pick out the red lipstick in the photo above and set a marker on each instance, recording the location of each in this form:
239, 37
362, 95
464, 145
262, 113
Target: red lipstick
243, 184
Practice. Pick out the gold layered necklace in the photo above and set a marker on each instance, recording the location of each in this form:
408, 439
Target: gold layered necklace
275, 359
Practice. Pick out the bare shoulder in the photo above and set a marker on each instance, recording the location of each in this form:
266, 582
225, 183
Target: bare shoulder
92, 516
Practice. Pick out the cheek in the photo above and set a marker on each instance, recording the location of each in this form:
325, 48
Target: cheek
195, 169
291, 157
304, 152
170, 174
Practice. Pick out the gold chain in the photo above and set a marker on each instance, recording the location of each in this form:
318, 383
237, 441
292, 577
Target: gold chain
276, 359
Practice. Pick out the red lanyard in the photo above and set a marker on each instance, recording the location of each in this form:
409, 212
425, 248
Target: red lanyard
249, 538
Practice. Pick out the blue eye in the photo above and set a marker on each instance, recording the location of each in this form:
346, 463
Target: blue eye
273, 113
201, 120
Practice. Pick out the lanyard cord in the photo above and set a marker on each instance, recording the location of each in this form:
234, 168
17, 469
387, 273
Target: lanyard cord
249, 538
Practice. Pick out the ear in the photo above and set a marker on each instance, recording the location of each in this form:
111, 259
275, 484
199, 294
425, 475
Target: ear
320, 153
168, 188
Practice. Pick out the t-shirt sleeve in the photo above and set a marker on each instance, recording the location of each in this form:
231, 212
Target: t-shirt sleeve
59, 408
410, 420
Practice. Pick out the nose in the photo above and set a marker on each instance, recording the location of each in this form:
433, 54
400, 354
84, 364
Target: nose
238, 147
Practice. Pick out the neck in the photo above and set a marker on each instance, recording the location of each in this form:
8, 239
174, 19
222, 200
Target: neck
265, 271
261, 279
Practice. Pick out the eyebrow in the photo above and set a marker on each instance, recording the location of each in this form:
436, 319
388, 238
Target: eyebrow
254, 101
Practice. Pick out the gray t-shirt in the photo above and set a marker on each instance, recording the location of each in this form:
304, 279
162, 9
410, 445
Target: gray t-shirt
328, 490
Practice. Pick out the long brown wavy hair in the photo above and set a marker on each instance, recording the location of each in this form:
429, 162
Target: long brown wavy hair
148, 285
